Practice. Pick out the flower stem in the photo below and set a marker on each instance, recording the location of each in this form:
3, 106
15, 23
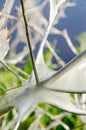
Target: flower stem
28, 40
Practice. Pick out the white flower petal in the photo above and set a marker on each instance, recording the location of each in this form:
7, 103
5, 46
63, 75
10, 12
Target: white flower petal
72, 78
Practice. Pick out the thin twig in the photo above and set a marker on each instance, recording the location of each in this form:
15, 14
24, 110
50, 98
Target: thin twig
18, 76
28, 40
79, 126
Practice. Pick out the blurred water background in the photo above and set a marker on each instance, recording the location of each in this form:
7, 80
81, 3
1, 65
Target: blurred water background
75, 23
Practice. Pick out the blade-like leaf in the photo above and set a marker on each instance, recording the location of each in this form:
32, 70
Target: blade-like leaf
72, 78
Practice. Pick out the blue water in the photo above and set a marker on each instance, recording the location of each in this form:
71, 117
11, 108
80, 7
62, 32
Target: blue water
75, 23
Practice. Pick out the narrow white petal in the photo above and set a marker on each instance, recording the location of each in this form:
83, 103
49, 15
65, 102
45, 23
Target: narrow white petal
43, 71
72, 78
60, 100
